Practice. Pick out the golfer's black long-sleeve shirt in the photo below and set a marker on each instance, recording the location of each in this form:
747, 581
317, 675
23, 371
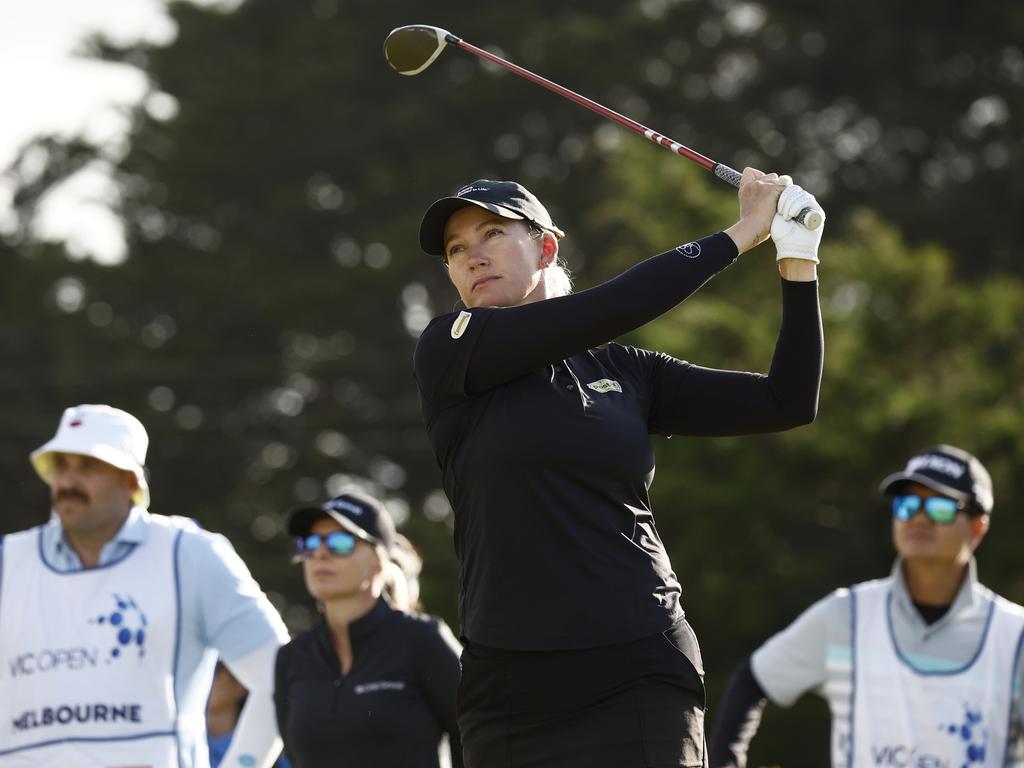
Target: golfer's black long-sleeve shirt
389, 710
543, 441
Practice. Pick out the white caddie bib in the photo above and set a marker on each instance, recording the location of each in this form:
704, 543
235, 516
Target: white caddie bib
87, 658
906, 718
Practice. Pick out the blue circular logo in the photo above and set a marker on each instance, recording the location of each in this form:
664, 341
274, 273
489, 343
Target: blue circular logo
128, 623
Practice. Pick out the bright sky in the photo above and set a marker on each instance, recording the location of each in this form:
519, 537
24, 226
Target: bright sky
45, 88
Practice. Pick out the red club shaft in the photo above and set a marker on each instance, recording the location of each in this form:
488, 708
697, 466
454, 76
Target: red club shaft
622, 120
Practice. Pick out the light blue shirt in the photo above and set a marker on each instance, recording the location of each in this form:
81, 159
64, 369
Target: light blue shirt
223, 611
815, 652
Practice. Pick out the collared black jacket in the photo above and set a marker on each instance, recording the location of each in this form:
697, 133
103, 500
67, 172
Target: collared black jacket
389, 710
542, 433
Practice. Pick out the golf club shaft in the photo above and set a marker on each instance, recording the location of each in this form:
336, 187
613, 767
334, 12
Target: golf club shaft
720, 170
622, 120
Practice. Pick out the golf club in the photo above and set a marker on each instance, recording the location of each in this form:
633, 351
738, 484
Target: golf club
411, 49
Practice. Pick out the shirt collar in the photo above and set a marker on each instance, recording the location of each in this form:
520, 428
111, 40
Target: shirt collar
965, 597
134, 530
366, 625
362, 627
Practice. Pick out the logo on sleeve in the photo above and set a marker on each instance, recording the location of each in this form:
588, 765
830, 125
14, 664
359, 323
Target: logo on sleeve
460, 324
690, 250
605, 385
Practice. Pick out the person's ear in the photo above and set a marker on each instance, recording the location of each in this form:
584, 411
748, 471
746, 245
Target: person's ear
376, 564
979, 527
548, 250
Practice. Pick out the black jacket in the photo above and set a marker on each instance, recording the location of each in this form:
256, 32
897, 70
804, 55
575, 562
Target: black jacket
391, 708
543, 440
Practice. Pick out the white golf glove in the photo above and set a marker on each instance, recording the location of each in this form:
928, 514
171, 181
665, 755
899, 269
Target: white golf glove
792, 239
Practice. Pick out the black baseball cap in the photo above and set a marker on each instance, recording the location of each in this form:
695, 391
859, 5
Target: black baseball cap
503, 198
950, 471
357, 513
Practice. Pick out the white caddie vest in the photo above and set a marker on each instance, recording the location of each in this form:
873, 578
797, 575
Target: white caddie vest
87, 657
906, 718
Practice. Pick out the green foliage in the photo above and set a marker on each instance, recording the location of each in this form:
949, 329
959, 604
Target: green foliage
263, 324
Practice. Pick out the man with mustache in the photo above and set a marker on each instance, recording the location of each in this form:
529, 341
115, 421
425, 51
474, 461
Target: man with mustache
112, 618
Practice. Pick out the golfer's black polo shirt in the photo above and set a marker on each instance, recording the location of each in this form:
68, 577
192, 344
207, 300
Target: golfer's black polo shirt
543, 441
389, 710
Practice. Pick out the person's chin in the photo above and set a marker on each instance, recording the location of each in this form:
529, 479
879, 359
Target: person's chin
67, 508
918, 548
322, 590
489, 294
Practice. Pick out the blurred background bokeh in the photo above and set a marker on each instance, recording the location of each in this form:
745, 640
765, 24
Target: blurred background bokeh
256, 290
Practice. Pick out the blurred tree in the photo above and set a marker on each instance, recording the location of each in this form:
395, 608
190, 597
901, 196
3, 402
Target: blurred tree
270, 189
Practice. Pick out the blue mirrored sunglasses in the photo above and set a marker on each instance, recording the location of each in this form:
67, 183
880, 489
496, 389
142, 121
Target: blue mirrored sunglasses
940, 509
339, 543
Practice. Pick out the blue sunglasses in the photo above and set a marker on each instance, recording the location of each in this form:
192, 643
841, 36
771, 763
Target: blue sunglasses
940, 509
339, 543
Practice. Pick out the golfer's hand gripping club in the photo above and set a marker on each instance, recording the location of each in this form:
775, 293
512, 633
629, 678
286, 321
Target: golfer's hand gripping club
810, 217
793, 241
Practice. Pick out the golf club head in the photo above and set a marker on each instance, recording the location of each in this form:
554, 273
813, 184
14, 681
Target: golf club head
411, 49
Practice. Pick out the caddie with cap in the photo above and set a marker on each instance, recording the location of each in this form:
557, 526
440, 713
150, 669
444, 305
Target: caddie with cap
112, 618
921, 668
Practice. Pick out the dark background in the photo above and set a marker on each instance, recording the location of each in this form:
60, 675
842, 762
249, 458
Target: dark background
263, 323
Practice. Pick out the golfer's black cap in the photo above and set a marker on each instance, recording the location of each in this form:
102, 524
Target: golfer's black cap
947, 470
357, 513
503, 198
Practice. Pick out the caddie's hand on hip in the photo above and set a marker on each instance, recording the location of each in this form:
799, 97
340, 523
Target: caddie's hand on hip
758, 197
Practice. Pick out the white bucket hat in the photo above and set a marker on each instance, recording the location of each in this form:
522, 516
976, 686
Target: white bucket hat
111, 435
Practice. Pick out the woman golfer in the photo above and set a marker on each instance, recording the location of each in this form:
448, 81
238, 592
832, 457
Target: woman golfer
577, 652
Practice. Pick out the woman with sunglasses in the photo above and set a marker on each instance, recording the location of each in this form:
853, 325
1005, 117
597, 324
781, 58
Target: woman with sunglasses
925, 663
372, 684
577, 649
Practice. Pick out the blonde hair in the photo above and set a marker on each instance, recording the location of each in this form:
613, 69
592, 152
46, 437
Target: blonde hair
557, 279
401, 570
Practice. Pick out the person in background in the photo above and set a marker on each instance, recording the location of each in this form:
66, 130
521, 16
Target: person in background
372, 684
924, 667
111, 618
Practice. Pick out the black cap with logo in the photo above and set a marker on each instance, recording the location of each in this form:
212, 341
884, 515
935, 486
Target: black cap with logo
357, 513
950, 471
502, 198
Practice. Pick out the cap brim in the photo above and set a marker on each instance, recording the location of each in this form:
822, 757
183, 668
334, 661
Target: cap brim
301, 520
887, 485
437, 215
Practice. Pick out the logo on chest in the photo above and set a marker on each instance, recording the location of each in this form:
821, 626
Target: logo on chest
605, 385
120, 632
127, 625
380, 685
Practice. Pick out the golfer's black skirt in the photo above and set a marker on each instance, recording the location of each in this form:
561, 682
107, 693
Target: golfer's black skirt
635, 705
